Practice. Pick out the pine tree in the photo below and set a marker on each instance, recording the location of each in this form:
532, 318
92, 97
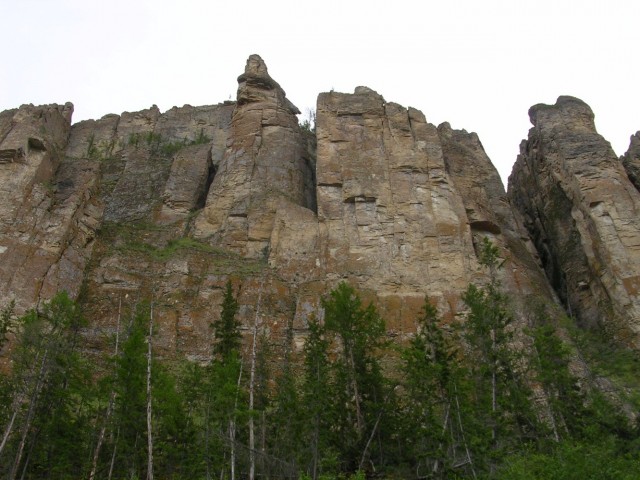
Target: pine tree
436, 402
129, 449
224, 405
7, 321
317, 401
360, 387
503, 398
227, 328
47, 432
285, 415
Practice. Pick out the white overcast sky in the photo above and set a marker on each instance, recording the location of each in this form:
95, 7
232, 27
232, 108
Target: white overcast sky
477, 64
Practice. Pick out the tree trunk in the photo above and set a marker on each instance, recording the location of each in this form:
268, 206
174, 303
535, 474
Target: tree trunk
252, 379
232, 431
314, 447
149, 431
252, 441
366, 447
356, 393
232, 439
7, 430
207, 416
113, 456
436, 464
464, 441
112, 399
32, 407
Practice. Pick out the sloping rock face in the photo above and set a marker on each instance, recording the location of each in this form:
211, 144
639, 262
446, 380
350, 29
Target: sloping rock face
582, 213
166, 207
490, 214
631, 160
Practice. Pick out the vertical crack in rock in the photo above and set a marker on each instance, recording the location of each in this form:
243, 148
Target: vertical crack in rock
631, 160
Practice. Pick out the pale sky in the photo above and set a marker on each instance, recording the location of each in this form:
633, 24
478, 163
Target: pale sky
477, 64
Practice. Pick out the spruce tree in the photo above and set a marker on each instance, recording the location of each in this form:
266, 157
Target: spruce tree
227, 328
359, 383
436, 402
502, 396
46, 434
224, 405
317, 401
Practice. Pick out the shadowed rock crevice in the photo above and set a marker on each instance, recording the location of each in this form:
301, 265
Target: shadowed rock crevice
631, 160
202, 198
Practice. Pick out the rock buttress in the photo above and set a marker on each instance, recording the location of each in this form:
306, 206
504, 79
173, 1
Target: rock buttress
48, 206
266, 163
582, 213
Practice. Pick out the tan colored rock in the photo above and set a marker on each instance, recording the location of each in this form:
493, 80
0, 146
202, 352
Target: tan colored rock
50, 210
393, 219
186, 187
490, 214
265, 163
379, 197
582, 213
30, 153
94, 138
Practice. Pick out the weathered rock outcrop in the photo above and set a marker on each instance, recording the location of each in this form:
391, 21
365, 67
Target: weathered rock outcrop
48, 212
631, 160
168, 206
265, 164
582, 213
489, 213
392, 219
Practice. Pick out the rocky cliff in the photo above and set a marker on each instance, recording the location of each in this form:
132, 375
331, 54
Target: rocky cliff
581, 211
168, 206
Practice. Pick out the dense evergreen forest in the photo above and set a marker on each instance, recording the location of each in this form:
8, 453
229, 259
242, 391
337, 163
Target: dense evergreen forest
462, 399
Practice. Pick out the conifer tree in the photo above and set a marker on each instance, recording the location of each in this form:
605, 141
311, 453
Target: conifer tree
360, 388
502, 397
130, 440
224, 409
316, 398
46, 434
227, 328
7, 320
285, 414
437, 403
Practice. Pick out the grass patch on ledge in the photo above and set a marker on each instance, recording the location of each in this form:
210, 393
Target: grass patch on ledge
142, 239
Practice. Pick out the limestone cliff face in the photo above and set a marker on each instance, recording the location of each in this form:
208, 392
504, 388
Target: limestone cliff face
167, 206
582, 213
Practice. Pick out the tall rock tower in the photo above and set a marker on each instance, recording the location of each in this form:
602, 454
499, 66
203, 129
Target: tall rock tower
582, 212
265, 163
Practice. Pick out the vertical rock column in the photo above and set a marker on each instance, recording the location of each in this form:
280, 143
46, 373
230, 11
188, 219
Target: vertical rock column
48, 214
263, 165
394, 222
582, 213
